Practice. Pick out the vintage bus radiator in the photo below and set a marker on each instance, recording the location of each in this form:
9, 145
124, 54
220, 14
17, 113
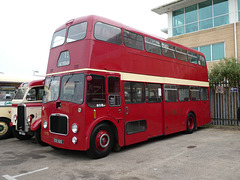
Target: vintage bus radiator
21, 118
59, 124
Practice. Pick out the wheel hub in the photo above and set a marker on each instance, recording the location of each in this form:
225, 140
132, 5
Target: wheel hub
190, 123
3, 128
102, 140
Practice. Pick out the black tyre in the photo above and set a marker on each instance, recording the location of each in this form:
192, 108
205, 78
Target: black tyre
37, 135
20, 136
101, 141
5, 129
238, 114
191, 123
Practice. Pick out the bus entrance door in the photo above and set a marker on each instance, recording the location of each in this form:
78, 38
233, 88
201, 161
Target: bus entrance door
114, 98
135, 113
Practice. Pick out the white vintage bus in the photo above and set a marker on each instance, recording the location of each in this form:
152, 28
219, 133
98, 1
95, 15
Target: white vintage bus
26, 110
8, 87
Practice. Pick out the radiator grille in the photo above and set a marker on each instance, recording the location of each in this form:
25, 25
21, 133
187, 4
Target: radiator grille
21, 116
59, 124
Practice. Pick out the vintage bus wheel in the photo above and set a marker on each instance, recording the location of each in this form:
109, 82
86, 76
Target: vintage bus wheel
5, 130
191, 123
38, 139
101, 141
20, 136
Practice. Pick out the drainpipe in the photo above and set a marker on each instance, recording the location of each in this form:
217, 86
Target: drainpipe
235, 39
235, 29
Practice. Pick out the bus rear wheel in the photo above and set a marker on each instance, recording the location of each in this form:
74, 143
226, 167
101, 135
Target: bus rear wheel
191, 123
5, 129
101, 141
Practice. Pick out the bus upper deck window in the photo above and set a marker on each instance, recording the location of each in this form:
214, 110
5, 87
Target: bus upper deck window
77, 32
58, 38
192, 57
108, 33
201, 60
152, 46
133, 40
168, 50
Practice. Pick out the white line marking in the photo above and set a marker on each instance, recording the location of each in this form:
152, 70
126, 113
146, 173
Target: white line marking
6, 176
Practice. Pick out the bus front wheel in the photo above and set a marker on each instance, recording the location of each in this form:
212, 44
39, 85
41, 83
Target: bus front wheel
101, 141
5, 129
38, 139
191, 123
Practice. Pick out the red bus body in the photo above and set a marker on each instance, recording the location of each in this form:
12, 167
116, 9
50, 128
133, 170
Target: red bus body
90, 57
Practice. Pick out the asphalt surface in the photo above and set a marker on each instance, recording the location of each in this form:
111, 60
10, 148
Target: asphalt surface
206, 154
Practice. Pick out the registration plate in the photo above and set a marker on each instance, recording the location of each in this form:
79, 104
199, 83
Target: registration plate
59, 141
22, 133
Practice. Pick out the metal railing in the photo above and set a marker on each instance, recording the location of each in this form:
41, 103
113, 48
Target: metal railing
224, 104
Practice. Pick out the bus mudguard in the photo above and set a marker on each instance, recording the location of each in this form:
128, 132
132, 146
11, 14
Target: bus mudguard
100, 120
36, 124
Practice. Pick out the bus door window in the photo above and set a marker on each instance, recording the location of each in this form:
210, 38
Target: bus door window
114, 99
135, 112
96, 91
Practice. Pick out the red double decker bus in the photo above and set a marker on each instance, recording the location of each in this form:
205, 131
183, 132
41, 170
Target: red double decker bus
109, 86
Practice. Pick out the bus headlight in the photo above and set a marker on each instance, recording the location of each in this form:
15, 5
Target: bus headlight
15, 117
74, 128
45, 124
29, 120
74, 140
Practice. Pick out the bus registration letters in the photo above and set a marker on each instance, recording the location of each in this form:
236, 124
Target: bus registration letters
58, 141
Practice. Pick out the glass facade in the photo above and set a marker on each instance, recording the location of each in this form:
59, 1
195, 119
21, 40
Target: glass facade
205, 15
212, 52
239, 10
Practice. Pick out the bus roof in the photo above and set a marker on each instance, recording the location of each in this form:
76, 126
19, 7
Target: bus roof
95, 18
39, 82
13, 78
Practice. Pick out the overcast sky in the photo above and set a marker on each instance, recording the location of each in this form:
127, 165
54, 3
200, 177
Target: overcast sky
27, 26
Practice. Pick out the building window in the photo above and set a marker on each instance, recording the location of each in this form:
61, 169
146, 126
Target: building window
212, 52
178, 22
239, 10
217, 51
205, 15
206, 50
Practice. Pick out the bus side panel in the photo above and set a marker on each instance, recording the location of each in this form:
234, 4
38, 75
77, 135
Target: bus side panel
204, 113
135, 123
175, 119
155, 124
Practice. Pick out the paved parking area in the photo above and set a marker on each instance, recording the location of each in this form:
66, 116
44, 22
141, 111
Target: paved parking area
205, 154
